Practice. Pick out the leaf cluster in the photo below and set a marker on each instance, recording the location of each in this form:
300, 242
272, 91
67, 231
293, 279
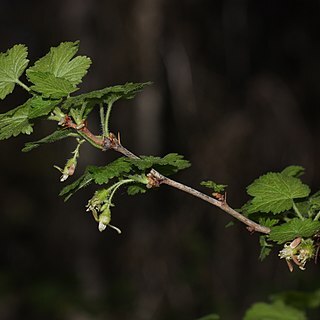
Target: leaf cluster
282, 202
124, 168
52, 79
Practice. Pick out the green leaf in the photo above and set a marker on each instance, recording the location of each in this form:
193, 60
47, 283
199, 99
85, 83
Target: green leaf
19, 120
169, 164
135, 189
40, 107
267, 222
214, 186
274, 192
12, 66
126, 168
102, 175
15, 122
274, 311
106, 95
293, 171
49, 85
60, 63
293, 229
99, 175
53, 137
265, 247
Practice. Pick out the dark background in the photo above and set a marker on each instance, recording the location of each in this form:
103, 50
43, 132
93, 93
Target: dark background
236, 90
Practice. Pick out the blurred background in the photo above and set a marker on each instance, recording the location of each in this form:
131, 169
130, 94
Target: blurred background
235, 89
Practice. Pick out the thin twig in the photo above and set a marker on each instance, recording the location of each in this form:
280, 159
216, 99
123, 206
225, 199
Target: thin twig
113, 143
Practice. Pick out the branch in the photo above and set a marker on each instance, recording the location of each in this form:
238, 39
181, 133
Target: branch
157, 179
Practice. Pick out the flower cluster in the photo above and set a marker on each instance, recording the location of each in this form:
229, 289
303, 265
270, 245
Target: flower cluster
299, 251
99, 205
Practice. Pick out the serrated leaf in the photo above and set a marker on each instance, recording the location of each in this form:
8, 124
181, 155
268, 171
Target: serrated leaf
267, 222
274, 311
40, 107
12, 66
19, 120
102, 175
15, 122
135, 189
53, 137
274, 192
60, 63
293, 171
213, 185
293, 229
125, 168
106, 95
50, 86
169, 164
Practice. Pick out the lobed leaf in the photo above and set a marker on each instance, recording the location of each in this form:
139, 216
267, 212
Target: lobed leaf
61, 63
275, 311
274, 192
293, 171
50, 86
294, 228
102, 175
58, 73
12, 66
169, 164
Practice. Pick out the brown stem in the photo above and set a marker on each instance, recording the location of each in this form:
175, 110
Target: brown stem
112, 142
84, 131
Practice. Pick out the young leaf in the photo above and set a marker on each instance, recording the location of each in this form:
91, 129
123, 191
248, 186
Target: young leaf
53, 137
106, 95
293, 171
275, 311
135, 189
169, 164
12, 65
214, 186
274, 192
293, 229
60, 63
102, 175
